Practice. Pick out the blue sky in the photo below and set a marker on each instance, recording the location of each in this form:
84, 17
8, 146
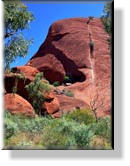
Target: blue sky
46, 14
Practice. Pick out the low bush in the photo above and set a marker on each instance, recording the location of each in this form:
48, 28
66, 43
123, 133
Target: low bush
81, 116
98, 142
83, 136
77, 130
57, 83
103, 127
67, 93
10, 127
59, 135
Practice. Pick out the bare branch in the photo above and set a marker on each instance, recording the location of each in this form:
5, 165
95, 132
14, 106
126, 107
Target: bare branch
96, 104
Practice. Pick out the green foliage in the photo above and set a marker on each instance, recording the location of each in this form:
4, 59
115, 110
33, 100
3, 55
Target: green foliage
107, 10
98, 142
67, 93
103, 128
16, 46
107, 24
67, 132
16, 18
10, 127
59, 135
81, 116
36, 90
24, 124
106, 17
57, 83
66, 79
83, 136
18, 77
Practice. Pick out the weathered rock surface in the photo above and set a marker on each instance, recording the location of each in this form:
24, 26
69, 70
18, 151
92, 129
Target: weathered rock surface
66, 51
10, 81
28, 71
51, 106
51, 103
68, 104
23, 75
18, 105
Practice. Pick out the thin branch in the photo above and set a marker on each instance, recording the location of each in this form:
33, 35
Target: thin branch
9, 34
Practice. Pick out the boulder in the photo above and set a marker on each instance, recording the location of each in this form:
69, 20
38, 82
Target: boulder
51, 106
10, 80
28, 71
49, 95
18, 105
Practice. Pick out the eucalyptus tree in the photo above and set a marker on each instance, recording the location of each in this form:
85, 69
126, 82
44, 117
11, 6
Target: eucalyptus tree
16, 19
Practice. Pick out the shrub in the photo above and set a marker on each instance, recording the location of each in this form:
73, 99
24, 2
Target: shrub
67, 93
59, 135
77, 130
10, 127
98, 142
83, 136
57, 83
103, 128
81, 116
66, 79
36, 90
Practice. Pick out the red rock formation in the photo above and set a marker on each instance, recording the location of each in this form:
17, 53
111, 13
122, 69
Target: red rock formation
10, 81
28, 74
28, 71
66, 51
51, 106
51, 103
18, 105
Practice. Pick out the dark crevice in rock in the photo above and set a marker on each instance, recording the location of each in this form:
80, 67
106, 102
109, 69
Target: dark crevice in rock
59, 36
71, 69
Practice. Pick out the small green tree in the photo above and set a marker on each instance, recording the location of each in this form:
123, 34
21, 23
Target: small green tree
36, 90
106, 17
16, 19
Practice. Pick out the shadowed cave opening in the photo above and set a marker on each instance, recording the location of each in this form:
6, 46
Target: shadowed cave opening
53, 77
72, 78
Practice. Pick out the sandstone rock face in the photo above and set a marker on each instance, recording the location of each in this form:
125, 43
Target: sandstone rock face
68, 104
52, 106
49, 95
66, 52
51, 103
10, 81
28, 71
18, 105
